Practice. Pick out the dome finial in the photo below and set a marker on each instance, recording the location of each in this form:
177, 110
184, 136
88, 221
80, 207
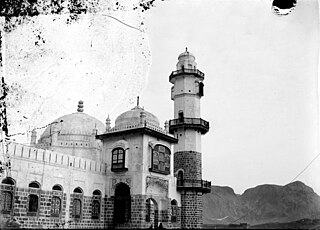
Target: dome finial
137, 101
80, 106
186, 49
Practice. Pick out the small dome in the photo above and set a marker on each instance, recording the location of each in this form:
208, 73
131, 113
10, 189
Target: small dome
186, 61
186, 54
133, 117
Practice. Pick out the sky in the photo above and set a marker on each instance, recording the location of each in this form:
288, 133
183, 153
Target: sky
260, 93
260, 86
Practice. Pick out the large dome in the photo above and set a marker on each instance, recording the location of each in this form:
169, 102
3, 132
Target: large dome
133, 117
75, 123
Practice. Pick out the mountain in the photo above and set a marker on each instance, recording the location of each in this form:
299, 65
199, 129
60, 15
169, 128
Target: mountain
262, 204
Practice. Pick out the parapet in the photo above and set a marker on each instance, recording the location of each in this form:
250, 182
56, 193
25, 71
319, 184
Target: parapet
16, 150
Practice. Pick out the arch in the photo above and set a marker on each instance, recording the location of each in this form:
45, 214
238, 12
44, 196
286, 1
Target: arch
97, 192
161, 155
9, 181
120, 144
118, 158
152, 212
34, 184
152, 144
33, 203
77, 203
180, 178
6, 201
174, 210
55, 206
95, 209
78, 190
57, 187
77, 208
122, 203
56, 200
96, 201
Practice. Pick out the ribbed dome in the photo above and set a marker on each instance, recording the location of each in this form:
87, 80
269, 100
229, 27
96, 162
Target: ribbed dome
133, 117
75, 123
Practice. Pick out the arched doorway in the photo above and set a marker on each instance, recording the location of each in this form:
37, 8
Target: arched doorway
122, 204
152, 215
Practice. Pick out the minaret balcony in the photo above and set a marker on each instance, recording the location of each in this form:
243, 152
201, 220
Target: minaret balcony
187, 184
185, 71
191, 123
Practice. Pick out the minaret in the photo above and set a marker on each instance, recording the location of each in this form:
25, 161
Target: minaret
187, 126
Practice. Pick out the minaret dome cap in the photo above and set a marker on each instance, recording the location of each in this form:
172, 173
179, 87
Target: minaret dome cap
186, 54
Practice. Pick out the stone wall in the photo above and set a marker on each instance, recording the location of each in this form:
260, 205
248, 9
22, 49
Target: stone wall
190, 162
43, 218
191, 210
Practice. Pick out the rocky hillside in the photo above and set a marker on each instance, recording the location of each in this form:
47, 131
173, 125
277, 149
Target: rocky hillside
262, 204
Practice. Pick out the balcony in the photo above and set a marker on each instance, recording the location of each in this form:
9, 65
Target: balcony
193, 123
195, 72
203, 185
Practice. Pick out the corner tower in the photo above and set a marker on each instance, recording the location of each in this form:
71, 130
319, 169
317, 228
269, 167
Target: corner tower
187, 126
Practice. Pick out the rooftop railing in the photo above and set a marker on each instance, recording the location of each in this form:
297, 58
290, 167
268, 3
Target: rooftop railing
145, 124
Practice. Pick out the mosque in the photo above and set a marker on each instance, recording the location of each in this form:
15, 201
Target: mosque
82, 173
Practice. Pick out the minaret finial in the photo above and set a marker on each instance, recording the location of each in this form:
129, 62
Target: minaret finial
80, 107
137, 101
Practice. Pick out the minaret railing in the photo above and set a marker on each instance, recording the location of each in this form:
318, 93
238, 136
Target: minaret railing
192, 183
186, 71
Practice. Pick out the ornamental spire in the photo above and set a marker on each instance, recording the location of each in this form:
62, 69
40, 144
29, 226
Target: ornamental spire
80, 106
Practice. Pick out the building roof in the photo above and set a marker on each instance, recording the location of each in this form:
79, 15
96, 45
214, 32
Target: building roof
75, 124
133, 116
186, 54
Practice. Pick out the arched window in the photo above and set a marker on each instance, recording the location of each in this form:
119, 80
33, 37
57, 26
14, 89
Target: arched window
33, 203
6, 201
96, 204
76, 208
57, 188
152, 213
8, 180
148, 206
122, 204
34, 185
6, 195
174, 211
180, 178
161, 159
77, 190
56, 200
33, 198
118, 159
77, 202
55, 206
